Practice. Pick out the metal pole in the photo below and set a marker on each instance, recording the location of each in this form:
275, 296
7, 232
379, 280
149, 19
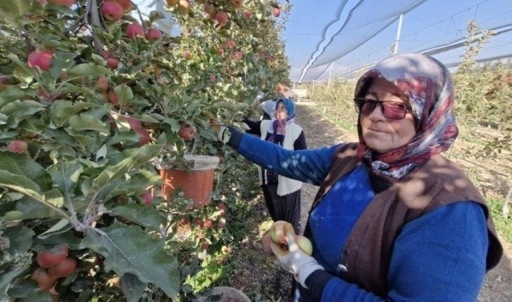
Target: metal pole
398, 33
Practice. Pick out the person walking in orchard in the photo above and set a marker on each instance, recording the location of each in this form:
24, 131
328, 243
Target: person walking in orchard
393, 220
282, 195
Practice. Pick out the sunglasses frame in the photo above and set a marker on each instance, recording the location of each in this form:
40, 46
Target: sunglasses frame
360, 102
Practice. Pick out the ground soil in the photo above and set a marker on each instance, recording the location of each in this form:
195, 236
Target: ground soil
262, 280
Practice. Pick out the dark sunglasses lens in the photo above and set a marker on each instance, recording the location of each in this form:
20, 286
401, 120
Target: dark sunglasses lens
394, 111
367, 107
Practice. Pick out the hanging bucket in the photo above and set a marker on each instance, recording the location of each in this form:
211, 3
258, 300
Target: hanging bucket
196, 183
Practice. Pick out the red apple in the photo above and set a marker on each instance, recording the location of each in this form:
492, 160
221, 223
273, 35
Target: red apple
230, 44
112, 62
63, 268
43, 279
248, 14
147, 198
187, 132
125, 4
184, 5
134, 30
67, 3
276, 12
18, 146
207, 224
53, 256
187, 54
111, 10
112, 97
154, 34
41, 59
222, 18
102, 83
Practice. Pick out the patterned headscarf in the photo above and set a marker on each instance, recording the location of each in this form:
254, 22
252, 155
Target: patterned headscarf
428, 85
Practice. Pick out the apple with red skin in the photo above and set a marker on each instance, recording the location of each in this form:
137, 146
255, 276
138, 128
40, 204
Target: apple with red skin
187, 132
102, 83
111, 10
276, 12
248, 14
63, 268
136, 125
52, 256
207, 224
40, 58
43, 279
18, 146
112, 97
147, 198
154, 34
112, 62
67, 3
230, 44
125, 4
134, 30
222, 18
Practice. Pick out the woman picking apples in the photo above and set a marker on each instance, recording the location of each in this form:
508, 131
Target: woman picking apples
393, 220
281, 194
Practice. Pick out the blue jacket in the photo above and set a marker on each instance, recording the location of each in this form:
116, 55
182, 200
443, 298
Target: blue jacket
440, 256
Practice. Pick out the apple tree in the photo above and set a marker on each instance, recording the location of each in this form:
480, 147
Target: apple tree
90, 94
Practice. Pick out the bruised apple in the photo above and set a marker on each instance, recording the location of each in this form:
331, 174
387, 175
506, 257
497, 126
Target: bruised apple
53, 256
279, 230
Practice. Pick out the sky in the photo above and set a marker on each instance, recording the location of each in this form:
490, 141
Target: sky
428, 23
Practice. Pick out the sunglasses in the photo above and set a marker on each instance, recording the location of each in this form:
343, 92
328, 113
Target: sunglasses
390, 110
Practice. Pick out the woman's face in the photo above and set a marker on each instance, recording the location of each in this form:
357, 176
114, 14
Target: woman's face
280, 111
380, 133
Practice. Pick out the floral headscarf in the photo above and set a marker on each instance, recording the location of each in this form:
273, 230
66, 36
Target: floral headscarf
428, 85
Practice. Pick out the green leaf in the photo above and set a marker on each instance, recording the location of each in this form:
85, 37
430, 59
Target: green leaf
6, 280
65, 175
89, 69
12, 11
132, 287
60, 227
141, 256
20, 238
135, 158
21, 165
87, 122
124, 93
62, 111
145, 216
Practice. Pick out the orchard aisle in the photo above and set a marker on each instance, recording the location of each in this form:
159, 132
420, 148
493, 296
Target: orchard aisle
321, 132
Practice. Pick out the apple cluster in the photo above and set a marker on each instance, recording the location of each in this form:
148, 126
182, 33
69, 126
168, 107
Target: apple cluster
53, 264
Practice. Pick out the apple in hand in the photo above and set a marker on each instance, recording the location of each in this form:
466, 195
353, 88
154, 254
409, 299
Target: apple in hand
279, 230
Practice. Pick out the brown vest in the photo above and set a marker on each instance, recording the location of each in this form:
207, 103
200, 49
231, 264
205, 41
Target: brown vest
368, 249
